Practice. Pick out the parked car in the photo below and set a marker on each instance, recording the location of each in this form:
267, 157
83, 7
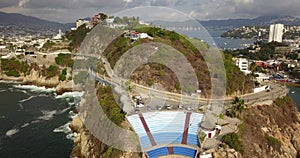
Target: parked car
158, 107
169, 107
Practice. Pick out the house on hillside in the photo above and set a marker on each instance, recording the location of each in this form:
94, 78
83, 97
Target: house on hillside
133, 35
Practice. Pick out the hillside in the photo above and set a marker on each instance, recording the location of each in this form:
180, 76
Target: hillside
269, 131
151, 73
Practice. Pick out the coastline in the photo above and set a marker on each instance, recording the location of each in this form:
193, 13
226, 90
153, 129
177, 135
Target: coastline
36, 80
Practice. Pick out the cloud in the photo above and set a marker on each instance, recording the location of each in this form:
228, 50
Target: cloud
8, 3
70, 10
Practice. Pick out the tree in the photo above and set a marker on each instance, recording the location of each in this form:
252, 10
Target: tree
238, 105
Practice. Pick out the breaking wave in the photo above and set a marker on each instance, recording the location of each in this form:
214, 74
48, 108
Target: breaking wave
11, 132
70, 94
35, 88
48, 115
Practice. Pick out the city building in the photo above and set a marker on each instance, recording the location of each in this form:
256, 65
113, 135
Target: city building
58, 36
99, 18
276, 32
243, 64
81, 22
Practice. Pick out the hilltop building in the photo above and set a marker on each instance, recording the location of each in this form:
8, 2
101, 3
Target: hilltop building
58, 36
99, 18
276, 32
243, 64
81, 22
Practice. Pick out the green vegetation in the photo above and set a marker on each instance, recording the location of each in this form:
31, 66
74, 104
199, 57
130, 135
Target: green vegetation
221, 116
109, 105
50, 72
238, 105
236, 80
282, 101
76, 37
64, 60
14, 67
48, 45
233, 141
150, 82
62, 76
275, 143
266, 52
202, 136
81, 77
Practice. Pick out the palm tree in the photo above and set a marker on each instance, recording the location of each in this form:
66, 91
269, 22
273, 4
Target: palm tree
238, 105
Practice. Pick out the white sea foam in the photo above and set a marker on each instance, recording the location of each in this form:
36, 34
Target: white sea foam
3, 90
35, 88
11, 132
24, 100
48, 115
64, 110
70, 94
35, 121
63, 129
25, 125
72, 115
72, 136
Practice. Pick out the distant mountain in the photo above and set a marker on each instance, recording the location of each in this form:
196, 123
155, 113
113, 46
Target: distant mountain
234, 23
259, 21
31, 23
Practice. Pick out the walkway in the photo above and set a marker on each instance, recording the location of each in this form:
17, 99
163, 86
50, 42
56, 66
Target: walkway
186, 128
150, 136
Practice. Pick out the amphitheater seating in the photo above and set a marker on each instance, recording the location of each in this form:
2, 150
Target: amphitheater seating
176, 149
166, 127
158, 152
184, 151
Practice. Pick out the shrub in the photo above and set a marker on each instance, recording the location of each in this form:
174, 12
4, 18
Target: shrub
275, 143
13, 73
14, 67
281, 101
64, 60
62, 77
51, 71
233, 141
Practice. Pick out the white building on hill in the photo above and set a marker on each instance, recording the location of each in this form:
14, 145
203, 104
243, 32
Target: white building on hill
243, 64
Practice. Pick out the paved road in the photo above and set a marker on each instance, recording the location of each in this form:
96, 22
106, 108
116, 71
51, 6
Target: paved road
276, 91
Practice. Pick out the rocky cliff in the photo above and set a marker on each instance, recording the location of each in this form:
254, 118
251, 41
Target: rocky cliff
268, 131
34, 78
87, 146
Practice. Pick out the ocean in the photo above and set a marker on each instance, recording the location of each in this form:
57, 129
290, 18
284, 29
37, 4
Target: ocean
215, 39
295, 95
34, 122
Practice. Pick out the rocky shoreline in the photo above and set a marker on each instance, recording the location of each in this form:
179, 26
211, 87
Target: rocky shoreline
33, 78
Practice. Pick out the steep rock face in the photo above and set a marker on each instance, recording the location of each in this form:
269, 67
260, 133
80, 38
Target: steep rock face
226, 152
87, 146
35, 78
269, 131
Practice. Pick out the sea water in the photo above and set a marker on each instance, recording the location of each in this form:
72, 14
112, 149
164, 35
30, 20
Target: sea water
34, 122
294, 93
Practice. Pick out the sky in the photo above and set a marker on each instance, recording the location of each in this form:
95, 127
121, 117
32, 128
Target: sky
69, 10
